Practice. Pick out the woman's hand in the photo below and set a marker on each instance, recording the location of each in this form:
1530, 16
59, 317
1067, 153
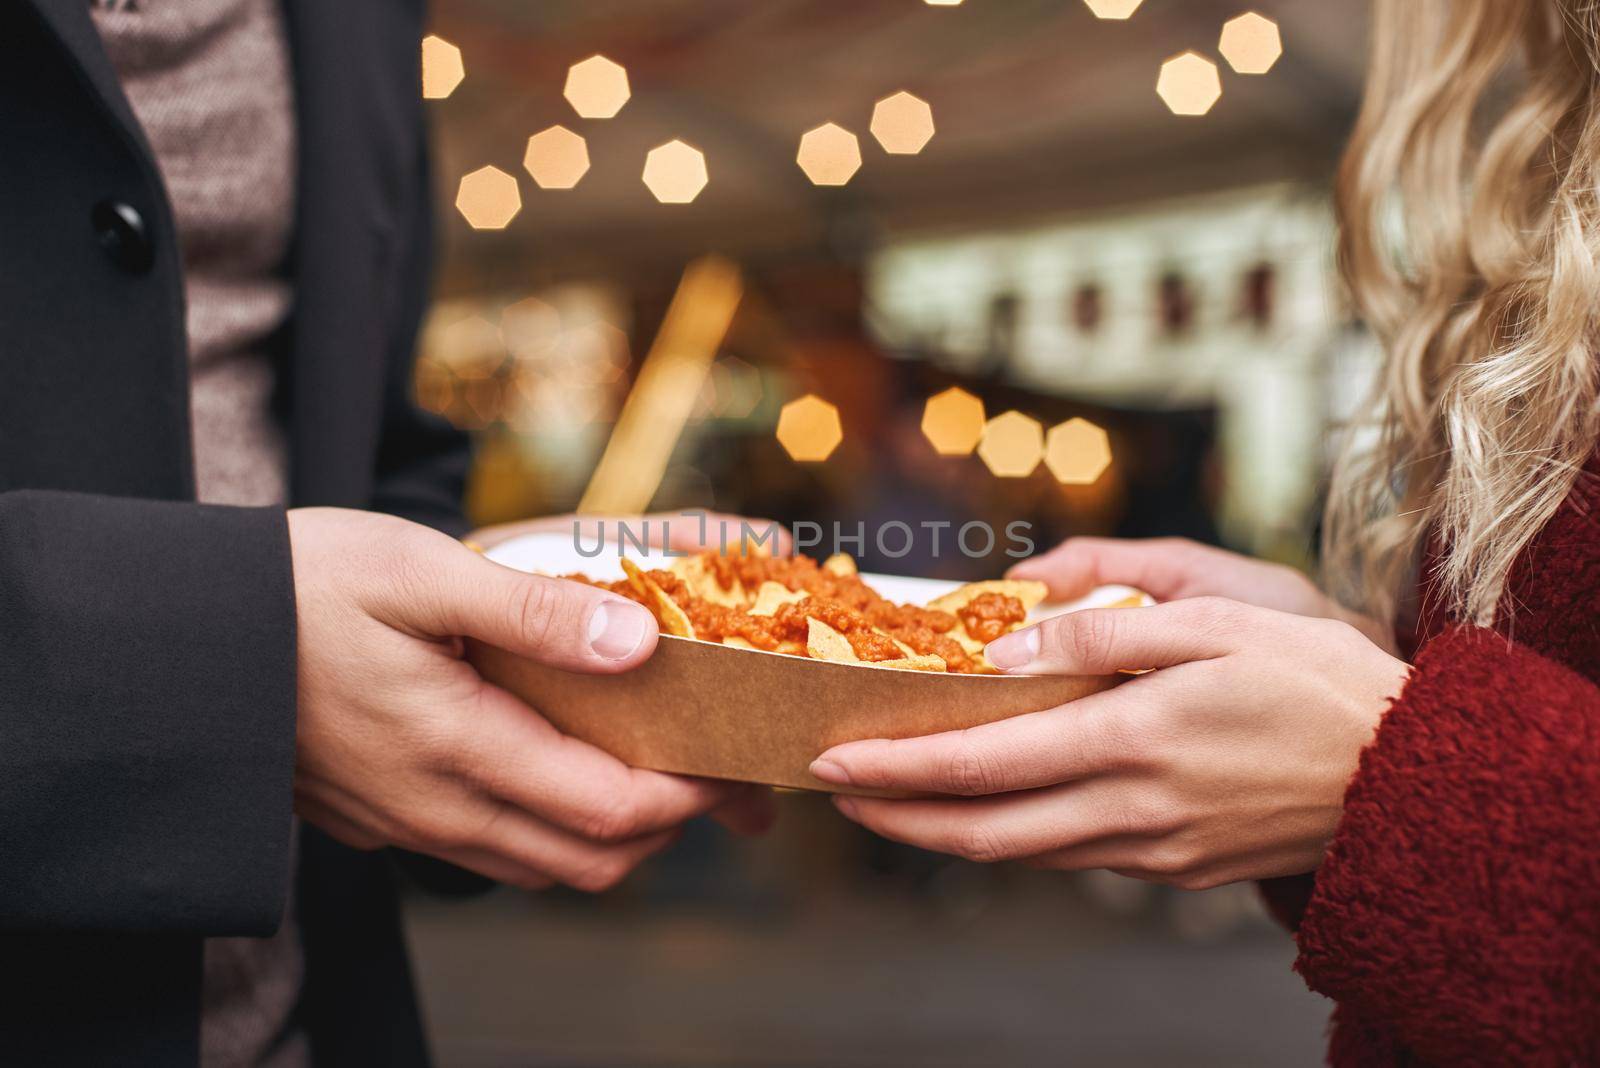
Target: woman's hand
1171, 569
400, 742
1228, 762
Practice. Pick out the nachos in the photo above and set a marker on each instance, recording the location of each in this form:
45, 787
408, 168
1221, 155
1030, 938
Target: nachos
825, 611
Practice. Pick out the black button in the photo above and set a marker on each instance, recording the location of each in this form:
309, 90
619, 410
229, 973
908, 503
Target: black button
123, 235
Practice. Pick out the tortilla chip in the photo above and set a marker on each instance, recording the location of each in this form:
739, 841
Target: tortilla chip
673, 619
772, 595
636, 579
701, 578
970, 645
915, 662
825, 643
840, 564
1029, 592
733, 641
1133, 600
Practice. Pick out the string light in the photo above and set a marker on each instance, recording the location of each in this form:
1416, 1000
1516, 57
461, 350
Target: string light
556, 158
597, 88
675, 172
1113, 9
442, 68
952, 422
902, 123
1189, 84
829, 154
488, 199
1012, 445
1250, 43
1077, 452
809, 429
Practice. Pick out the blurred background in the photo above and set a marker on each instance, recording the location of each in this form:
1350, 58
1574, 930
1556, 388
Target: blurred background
1066, 262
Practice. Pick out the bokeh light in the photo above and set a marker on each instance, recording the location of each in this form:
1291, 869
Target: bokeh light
597, 88
1189, 84
902, 123
735, 388
470, 347
529, 327
809, 429
952, 422
435, 386
1012, 445
556, 158
675, 172
1250, 43
829, 154
442, 68
1113, 9
1077, 452
488, 199
595, 354
942, 3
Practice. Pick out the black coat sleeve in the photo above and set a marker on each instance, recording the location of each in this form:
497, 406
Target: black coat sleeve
422, 459
147, 710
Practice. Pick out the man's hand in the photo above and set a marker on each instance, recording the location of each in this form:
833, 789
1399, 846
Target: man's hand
400, 742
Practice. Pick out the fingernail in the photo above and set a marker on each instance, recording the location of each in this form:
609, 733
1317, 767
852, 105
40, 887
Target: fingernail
828, 771
1014, 650
617, 629
846, 806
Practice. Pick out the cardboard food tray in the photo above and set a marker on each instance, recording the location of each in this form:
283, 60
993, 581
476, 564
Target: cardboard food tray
702, 709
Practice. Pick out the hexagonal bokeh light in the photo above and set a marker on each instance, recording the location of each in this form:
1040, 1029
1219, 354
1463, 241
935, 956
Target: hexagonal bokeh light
1113, 9
952, 422
529, 327
442, 69
1077, 452
556, 158
1012, 445
809, 429
829, 154
737, 388
1250, 43
597, 88
675, 172
488, 199
471, 347
902, 123
1189, 84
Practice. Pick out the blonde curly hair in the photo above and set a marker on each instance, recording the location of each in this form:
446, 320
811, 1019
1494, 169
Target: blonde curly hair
1469, 199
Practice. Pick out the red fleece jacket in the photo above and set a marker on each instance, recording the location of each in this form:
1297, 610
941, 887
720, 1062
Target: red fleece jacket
1456, 917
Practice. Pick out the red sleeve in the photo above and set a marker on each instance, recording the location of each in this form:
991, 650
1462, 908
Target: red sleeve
1459, 905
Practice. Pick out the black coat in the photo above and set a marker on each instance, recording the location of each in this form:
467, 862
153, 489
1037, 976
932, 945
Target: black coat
147, 643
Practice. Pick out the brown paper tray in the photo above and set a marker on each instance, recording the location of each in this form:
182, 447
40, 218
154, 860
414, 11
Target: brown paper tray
701, 709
